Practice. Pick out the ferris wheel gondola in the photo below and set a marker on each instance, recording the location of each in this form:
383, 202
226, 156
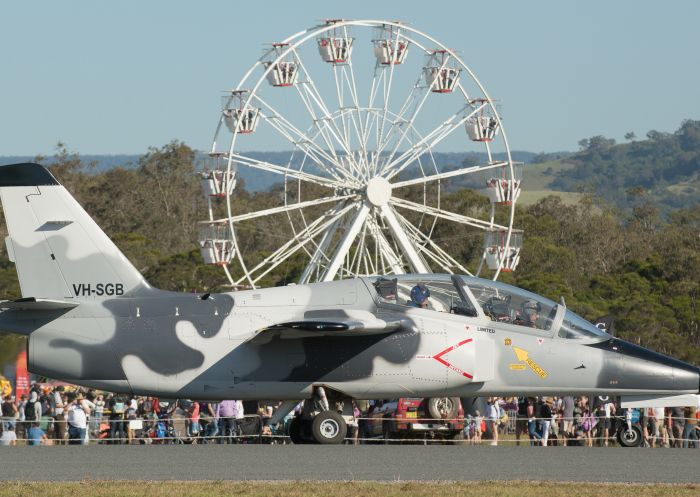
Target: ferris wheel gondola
361, 191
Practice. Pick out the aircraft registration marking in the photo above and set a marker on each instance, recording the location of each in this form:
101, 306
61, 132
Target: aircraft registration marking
524, 356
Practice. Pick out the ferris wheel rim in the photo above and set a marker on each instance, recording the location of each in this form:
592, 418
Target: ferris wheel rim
298, 39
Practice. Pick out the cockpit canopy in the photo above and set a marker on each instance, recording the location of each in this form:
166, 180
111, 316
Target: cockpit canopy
474, 297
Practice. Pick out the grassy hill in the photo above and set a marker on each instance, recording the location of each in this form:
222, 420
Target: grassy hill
537, 182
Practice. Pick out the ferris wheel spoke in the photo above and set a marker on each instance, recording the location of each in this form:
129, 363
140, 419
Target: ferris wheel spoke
292, 246
387, 91
407, 246
450, 174
300, 140
321, 124
314, 94
346, 242
386, 253
443, 214
319, 256
438, 254
427, 143
285, 208
407, 124
284, 171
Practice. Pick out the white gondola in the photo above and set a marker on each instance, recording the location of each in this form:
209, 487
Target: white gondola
240, 120
441, 73
501, 188
496, 253
239, 116
482, 128
388, 51
335, 50
283, 68
216, 244
218, 183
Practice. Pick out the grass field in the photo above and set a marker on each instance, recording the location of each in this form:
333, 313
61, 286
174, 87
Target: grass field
536, 183
348, 489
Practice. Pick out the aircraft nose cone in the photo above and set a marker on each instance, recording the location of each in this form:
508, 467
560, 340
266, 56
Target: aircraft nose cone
631, 367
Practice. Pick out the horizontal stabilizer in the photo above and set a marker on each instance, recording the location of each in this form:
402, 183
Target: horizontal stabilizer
34, 304
350, 323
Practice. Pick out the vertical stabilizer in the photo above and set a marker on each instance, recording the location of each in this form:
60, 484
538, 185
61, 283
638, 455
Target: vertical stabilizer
59, 251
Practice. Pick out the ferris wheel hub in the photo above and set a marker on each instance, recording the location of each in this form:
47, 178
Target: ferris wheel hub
378, 191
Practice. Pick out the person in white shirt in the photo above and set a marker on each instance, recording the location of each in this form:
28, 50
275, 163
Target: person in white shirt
8, 437
77, 421
658, 426
58, 415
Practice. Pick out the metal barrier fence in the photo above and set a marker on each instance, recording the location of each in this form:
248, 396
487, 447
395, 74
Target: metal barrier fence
152, 430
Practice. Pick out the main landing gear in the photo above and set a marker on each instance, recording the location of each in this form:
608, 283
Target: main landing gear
323, 420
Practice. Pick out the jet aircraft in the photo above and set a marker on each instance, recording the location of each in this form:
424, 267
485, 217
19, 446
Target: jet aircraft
93, 320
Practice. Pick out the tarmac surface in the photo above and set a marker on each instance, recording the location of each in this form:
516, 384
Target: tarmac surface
349, 463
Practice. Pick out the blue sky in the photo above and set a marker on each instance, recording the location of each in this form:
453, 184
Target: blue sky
118, 77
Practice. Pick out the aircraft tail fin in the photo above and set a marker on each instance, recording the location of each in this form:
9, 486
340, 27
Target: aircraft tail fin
59, 251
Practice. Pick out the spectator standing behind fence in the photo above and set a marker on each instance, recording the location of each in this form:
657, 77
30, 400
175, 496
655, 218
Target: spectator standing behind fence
657, 426
227, 412
521, 419
532, 422
59, 415
32, 409
77, 420
493, 415
116, 420
546, 421
9, 413
97, 413
677, 420
568, 407
690, 433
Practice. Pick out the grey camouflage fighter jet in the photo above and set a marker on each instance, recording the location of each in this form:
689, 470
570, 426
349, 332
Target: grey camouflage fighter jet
92, 319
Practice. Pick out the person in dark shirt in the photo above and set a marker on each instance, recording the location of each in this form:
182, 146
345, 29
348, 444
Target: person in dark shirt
521, 419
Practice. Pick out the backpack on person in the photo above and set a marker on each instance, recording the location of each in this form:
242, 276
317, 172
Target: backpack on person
30, 411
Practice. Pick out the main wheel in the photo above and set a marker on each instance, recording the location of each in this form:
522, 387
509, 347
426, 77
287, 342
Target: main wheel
629, 437
348, 142
443, 407
296, 432
329, 427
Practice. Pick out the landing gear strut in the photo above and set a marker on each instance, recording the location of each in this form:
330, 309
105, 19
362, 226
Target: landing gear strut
321, 421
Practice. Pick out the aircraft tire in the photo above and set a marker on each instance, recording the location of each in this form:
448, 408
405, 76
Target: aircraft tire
295, 432
629, 437
443, 407
329, 427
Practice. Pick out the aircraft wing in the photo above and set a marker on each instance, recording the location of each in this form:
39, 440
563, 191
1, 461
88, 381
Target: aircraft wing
34, 304
344, 323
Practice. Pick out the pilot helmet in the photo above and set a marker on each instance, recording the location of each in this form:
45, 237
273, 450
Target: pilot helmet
531, 306
420, 293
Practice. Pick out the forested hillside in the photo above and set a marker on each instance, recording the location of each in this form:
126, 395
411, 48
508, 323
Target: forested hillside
665, 166
635, 264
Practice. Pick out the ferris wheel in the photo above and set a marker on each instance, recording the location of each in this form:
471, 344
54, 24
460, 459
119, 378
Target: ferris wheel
351, 114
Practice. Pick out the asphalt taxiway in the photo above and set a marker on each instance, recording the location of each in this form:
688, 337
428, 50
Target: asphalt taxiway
355, 463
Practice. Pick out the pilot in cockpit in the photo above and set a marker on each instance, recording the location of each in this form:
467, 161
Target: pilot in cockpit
419, 296
530, 313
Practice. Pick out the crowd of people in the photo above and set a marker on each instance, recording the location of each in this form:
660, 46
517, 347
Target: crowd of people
547, 421
64, 415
